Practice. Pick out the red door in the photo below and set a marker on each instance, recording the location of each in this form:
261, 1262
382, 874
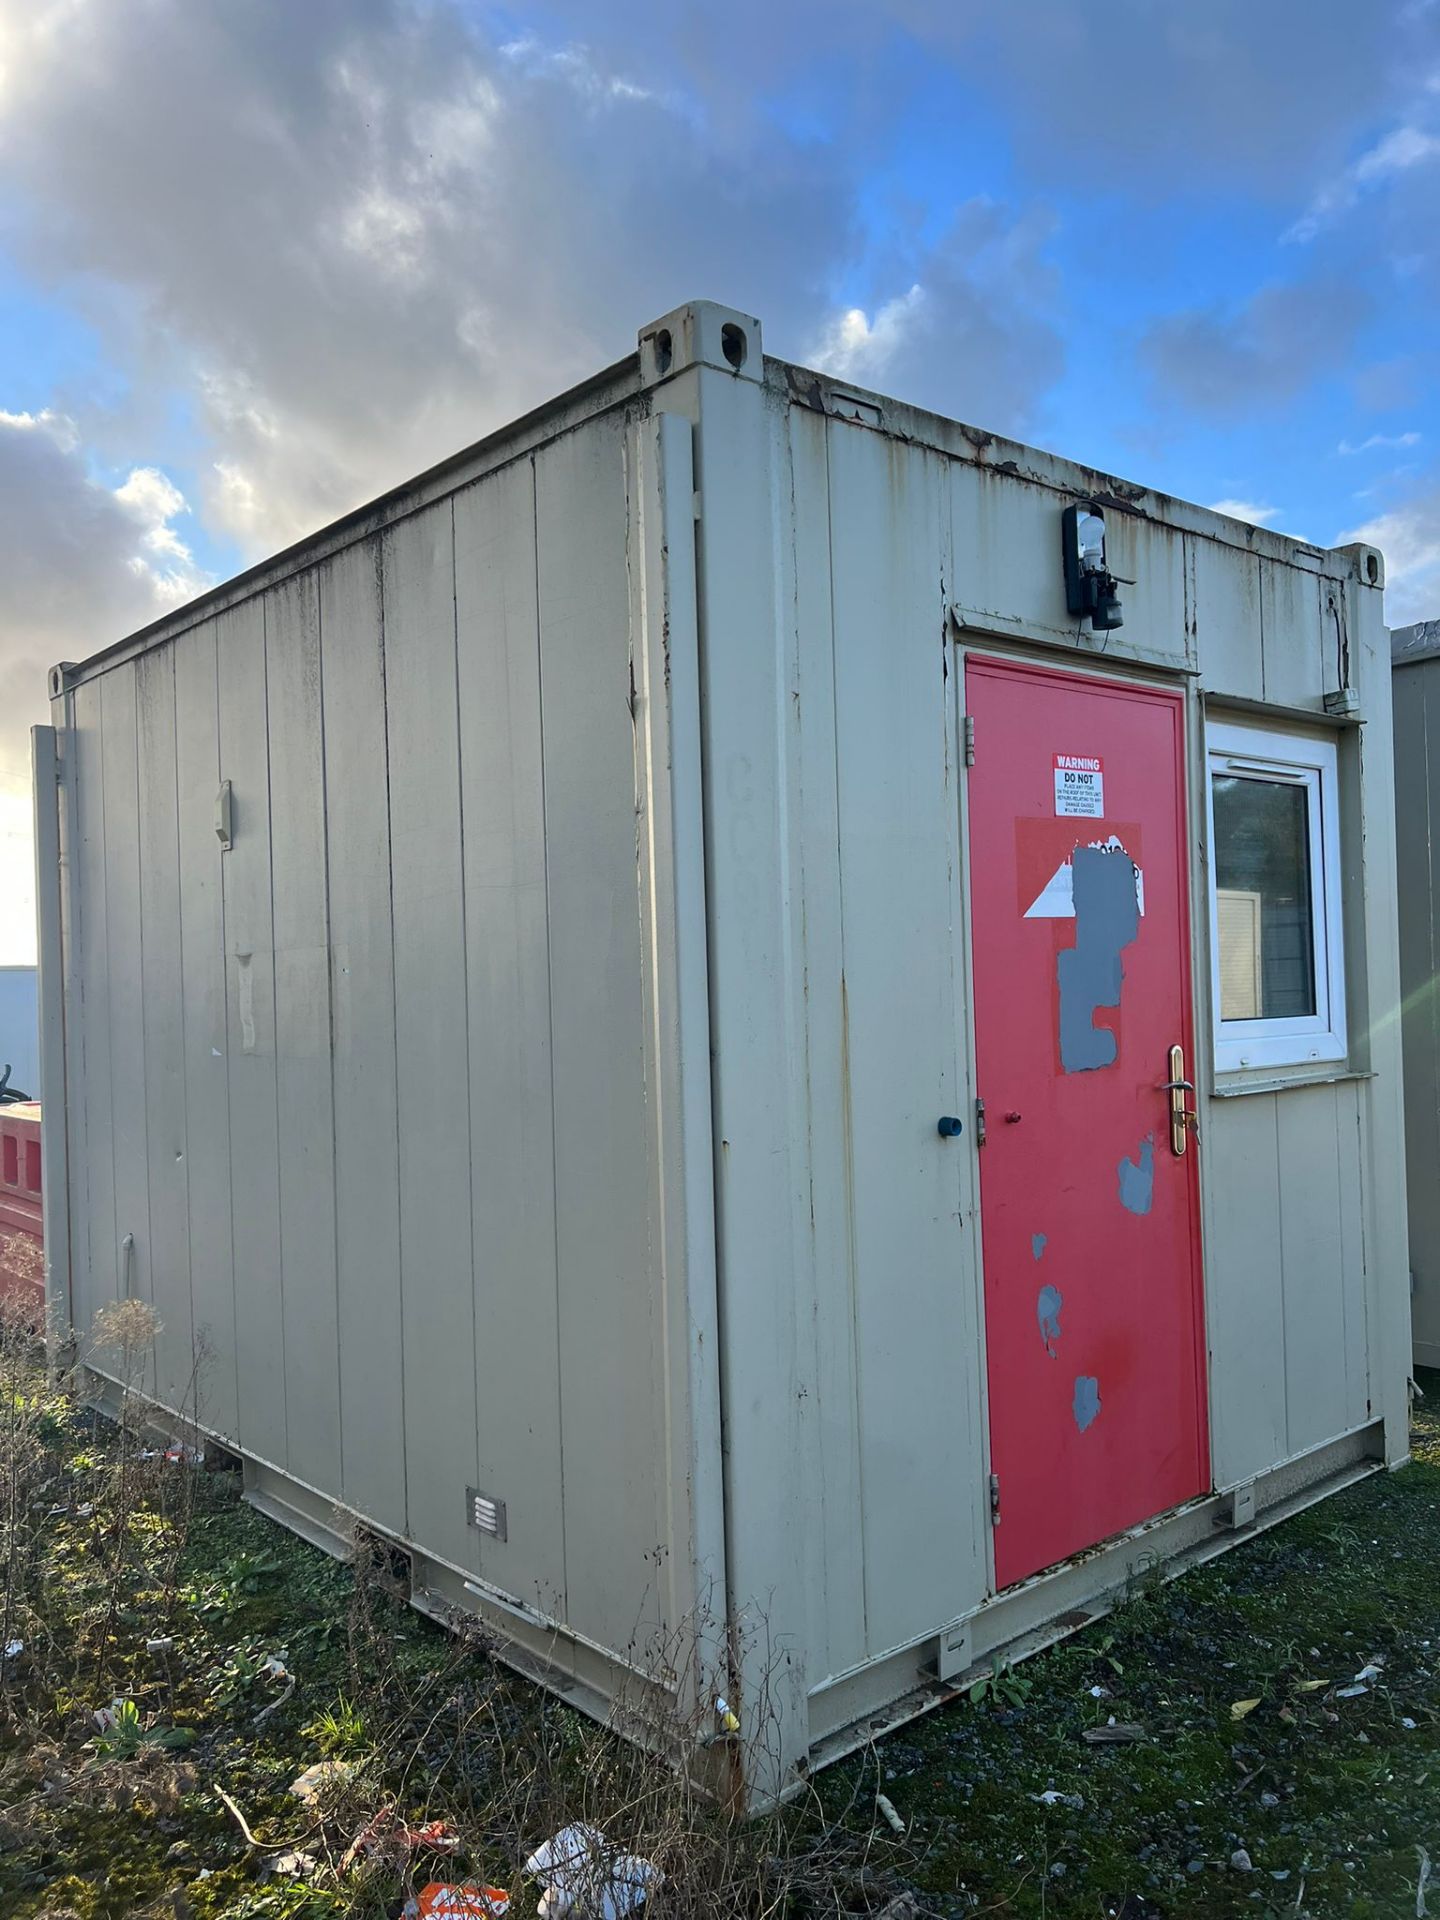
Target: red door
1090, 1219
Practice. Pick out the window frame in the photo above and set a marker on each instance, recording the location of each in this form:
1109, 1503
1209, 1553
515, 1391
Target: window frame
1297, 759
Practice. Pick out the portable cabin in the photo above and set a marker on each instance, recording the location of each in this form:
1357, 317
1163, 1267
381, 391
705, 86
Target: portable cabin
751, 1021
1415, 653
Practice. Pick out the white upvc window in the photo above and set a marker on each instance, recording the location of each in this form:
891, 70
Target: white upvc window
1277, 962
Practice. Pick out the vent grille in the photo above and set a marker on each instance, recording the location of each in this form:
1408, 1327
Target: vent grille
485, 1513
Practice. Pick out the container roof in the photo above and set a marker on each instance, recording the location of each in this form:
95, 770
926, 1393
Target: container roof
625, 381
1409, 644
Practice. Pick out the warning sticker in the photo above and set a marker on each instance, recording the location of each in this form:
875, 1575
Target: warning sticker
1080, 785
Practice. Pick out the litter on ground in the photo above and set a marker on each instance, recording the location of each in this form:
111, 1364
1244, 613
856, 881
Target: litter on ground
581, 1873
314, 1781
888, 1812
438, 1901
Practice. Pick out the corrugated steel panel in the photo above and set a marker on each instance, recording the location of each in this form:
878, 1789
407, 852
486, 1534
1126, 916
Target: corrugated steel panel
519, 1416
369, 1298
1416, 657
208, 1185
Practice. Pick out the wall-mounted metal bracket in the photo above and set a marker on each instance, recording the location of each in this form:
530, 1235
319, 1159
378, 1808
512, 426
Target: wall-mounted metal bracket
224, 817
1242, 1506
955, 1651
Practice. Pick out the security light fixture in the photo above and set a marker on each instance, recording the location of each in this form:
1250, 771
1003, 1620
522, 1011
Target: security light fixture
1090, 588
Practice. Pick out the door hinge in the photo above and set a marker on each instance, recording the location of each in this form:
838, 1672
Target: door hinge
969, 739
994, 1499
979, 1123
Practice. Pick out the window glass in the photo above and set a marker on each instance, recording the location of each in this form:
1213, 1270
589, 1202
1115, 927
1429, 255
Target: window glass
1263, 899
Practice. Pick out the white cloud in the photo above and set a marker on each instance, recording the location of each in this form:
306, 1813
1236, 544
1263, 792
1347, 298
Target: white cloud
152, 502
1377, 441
1404, 148
972, 334
81, 563
385, 236
1290, 97
152, 499
351, 235
854, 347
1400, 150
343, 239
51, 425
1250, 510
389, 230
359, 235
577, 66
1409, 537
17, 880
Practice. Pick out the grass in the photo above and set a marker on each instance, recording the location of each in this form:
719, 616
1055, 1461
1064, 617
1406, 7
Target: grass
233, 1656
1329, 1797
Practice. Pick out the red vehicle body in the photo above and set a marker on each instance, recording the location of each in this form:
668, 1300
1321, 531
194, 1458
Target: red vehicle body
22, 1234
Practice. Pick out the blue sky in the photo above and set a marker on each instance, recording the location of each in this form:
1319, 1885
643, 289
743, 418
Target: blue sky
259, 261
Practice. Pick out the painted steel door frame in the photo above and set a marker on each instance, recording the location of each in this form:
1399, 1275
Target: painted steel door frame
976, 645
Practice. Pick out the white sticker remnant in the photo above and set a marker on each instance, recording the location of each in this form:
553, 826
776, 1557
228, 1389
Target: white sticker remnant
246, 969
1080, 785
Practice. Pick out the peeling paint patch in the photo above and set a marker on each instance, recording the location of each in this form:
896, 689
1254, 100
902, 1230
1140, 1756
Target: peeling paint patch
1107, 919
1047, 1311
1137, 1178
1087, 1400
1037, 1245
1056, 899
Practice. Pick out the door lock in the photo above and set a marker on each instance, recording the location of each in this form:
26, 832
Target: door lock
1183, 1119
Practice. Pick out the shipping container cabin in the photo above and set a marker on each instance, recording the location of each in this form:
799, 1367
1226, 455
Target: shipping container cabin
1415, 657
754, 1022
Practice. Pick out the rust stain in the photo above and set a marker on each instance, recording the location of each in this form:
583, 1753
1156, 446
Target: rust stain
805, 389
1120, 497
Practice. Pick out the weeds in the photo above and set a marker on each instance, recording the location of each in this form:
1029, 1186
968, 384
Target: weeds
124, 1732
1002, 1686
124, 1333
338, 1731
239, 1580
24, 1261
238, 1665
30, 1419
282, 1737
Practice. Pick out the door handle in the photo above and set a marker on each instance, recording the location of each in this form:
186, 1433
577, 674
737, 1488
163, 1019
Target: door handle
1183, 1119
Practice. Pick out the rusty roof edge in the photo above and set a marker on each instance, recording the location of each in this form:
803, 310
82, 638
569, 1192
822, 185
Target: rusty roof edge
1014, 459
620, 383
613, 386
1410, 645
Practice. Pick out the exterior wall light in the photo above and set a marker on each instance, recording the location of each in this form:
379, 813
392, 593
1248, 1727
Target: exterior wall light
1090, 588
